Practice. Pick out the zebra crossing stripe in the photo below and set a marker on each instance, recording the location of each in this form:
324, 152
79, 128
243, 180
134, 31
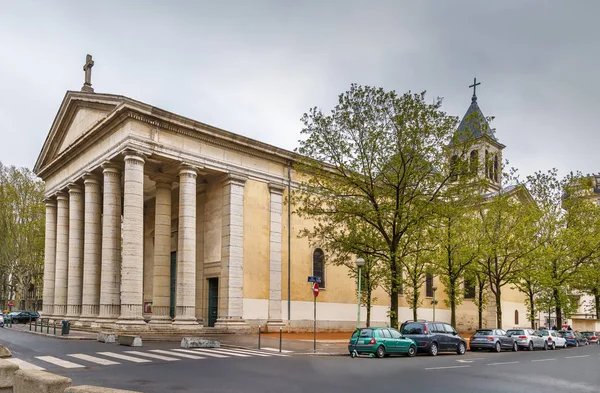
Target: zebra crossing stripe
172, 353
124, 357
25, 365
153, 356
253, 353
277, 350
232, 353
93, 359
60, 362
259, 353
203, 351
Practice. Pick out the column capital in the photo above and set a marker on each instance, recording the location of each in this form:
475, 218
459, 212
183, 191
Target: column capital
188, 170
62, 196
75, 188
276, 188
50, 201
109, 167
90, 178
134, 156
235, 178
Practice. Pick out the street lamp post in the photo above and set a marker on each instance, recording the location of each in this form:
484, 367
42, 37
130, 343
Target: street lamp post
434, 302
359, 264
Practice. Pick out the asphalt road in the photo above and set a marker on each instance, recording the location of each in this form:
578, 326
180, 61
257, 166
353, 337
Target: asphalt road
565, 370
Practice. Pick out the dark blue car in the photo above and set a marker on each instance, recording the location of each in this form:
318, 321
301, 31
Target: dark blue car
574, 338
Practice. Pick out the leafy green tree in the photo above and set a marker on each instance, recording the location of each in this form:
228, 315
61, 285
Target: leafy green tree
374, 159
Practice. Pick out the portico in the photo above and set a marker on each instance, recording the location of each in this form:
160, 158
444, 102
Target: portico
143, 208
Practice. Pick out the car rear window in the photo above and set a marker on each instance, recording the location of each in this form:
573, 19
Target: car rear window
544, 332
588, 334
515, 332
483, 333
366, 333
412, 328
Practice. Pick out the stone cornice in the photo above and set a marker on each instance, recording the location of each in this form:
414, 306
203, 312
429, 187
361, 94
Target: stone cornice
235, 178
276, 188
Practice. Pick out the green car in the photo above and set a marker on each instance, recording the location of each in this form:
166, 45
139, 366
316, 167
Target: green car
381, 342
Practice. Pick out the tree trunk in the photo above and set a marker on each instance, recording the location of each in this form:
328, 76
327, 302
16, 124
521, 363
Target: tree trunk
369, 292
559, 321
394, 291
452, 300
498, 306
532, 311
480, 307
597, 304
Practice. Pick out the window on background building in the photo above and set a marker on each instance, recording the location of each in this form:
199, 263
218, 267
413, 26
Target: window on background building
487, 164
496, 168
474, 162
319, 266
429, 285
469, 288
516, 317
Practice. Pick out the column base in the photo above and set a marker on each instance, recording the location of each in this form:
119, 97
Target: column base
273, 325
185, 321
232, 324
107, 322
160, 320
86, 321
59, 312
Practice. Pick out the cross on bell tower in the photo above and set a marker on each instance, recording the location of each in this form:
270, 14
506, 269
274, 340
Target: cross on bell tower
474, 86
87, 85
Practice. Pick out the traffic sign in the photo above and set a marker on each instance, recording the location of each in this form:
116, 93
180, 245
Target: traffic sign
11, 304
316, 279
315, 289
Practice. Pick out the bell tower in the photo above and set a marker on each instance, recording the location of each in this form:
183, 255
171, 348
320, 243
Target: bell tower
485, 156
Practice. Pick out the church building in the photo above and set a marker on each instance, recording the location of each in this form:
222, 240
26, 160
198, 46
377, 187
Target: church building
159, 223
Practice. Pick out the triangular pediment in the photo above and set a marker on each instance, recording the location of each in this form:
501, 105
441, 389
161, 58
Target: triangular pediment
77, 116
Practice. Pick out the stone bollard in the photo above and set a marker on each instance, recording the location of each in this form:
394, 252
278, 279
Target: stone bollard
107, 338
131, 341
95, 389
199, 342
7, 376
4, 352
34, 381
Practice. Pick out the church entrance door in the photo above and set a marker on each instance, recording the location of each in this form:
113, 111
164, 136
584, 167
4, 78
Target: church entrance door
213, 301
173, 283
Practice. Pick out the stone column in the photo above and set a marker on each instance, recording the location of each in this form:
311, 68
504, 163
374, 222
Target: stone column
200, 204
132, 265
161, 289
276, 207
49, 257
110, 276
75, 252
185, 310
62, 255
92, 250
232, 255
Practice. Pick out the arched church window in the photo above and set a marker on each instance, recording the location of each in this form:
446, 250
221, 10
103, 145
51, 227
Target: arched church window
496, 168
487, 164
474, 161
319, 265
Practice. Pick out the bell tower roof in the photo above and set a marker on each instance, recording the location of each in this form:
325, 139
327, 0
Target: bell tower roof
474, 124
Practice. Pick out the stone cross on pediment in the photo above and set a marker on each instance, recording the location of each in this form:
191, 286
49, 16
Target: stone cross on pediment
87, 85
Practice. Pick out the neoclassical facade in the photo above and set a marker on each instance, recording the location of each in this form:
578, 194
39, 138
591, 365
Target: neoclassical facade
156, 222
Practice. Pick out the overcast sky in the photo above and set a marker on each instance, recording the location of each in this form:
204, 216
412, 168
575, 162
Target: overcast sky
254, 67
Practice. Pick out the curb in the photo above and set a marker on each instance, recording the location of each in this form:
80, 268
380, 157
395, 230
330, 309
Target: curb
51, 335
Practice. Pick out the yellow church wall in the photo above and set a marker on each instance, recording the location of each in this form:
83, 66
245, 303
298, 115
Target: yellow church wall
256, 240
83, 120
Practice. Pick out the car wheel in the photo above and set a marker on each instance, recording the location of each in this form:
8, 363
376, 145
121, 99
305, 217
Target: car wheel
515, 347
553, 346
530, 346
576, 343
380, 352
412, 351
545, 345
433, 349
497, 347
462, 348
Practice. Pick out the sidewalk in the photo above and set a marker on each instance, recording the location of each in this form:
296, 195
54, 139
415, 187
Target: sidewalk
335, 344
73, 334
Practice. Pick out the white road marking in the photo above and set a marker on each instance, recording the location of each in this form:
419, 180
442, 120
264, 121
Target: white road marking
256, 353
25, 365
202, 352
124, 357
172, 353
500, 363
441, 368
542, 360
60, 362
153, 356
232, 353
93, 359
277, 350
578, 356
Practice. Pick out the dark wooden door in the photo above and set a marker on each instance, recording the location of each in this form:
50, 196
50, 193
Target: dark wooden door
213, 301
173, 283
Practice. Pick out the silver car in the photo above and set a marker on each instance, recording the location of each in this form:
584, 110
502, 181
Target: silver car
528, 338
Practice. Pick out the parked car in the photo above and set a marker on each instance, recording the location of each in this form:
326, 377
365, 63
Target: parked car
434, 337
1, 320
592, 337
553, 338
23, 316
493, 340
528, 338
380, 342
574, 338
